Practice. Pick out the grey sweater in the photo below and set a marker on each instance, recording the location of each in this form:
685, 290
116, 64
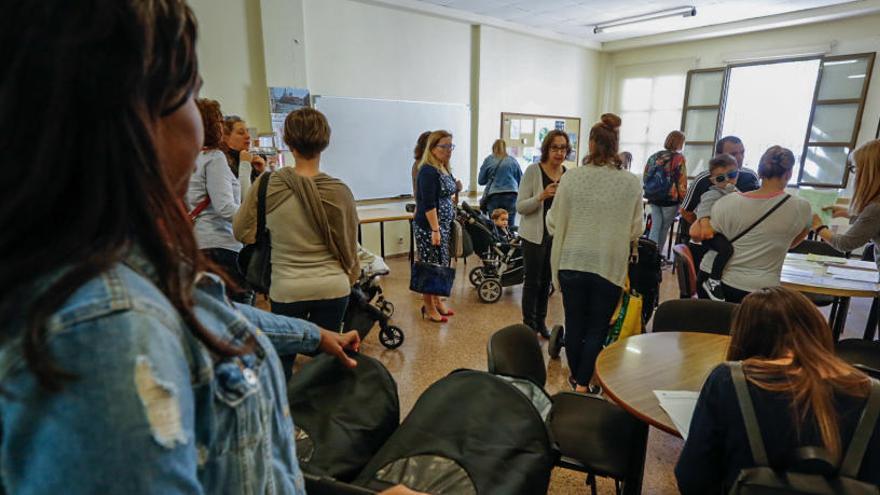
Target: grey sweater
864, 228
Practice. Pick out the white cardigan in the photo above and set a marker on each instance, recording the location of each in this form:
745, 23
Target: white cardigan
530, 206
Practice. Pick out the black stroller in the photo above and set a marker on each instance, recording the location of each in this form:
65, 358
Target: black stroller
367, 304
502, 261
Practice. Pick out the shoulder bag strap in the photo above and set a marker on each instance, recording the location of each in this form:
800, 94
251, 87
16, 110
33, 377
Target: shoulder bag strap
763, 217
261, 205
753, 431
199, 208
859, 443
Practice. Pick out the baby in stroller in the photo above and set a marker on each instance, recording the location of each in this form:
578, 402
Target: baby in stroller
498, 249
367, 304
499, 218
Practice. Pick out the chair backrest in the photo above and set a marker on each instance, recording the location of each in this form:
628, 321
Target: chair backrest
600, 436
685, 270
816, 247
514, 351
694, 315
863, 354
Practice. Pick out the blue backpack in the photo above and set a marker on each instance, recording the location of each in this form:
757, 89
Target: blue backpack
658, 177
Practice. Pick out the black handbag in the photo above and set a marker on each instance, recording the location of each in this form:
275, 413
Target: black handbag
255, 260
430, 278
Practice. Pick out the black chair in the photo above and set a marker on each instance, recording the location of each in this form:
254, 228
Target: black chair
694, 315
598, 438
824, 249
514, 351
863, 354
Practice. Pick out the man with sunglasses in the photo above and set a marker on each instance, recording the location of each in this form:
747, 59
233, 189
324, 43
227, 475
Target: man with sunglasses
723, 173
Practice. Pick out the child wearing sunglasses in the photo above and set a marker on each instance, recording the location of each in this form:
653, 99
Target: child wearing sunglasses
723, 171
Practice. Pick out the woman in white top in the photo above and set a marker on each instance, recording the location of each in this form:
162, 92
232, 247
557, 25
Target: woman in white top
213, 198
536, 191
595, 220
236, 143
759, 254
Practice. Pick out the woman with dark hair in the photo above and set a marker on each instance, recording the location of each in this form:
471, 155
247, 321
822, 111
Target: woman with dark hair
123, 367
666, 167
803, 395
534, 199
236, 144
418, 154
595, 221
759, 251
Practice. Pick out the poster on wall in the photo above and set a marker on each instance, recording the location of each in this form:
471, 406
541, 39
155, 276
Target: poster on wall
527, 126
560, 125
542, 127
514, 129
282, 101
573, 139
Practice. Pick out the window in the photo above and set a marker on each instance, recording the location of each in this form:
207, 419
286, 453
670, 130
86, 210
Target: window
650, 107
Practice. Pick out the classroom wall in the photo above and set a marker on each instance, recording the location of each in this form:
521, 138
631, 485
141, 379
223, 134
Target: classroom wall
524, 74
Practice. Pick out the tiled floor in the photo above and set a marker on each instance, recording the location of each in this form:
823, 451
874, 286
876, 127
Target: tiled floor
432, 350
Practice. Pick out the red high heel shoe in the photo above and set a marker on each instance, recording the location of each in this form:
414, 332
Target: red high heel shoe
448, 312
442, 319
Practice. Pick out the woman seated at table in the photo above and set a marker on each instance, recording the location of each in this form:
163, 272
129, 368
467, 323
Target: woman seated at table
803, 395
865, 205
759, 254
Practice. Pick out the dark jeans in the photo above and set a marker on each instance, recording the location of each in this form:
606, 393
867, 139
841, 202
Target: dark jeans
697, 252
536, 286
731, 294
326, 313
227, 260
506, 201
589, 301
724, 251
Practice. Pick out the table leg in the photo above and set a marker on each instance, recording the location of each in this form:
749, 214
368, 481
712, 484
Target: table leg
871, 327
840, 319
382, 239
360, 236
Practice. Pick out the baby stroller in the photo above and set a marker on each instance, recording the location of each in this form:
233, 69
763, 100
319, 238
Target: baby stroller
367, 304
502, 261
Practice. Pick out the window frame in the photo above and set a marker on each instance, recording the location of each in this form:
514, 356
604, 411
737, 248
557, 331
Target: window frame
720, 107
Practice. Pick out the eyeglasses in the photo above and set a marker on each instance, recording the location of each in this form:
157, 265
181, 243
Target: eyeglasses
449, 147
559, 148
723, 177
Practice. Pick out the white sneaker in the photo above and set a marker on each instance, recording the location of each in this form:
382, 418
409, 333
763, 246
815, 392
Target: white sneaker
714, 289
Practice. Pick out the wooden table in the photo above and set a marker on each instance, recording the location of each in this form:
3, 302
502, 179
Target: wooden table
630, 370
380, 216
801, 274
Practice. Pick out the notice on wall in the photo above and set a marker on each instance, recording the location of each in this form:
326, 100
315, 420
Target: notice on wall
514, 128
527, 126
282, 101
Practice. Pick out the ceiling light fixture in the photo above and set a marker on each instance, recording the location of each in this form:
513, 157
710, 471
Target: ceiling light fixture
602, 27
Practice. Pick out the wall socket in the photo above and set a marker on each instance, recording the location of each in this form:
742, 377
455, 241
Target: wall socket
400, 239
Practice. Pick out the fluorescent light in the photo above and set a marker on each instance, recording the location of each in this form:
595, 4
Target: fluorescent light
856, 76
839, 62
689, 11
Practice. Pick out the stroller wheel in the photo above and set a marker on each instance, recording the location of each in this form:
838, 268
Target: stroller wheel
554, 347
476, 276
387, 308
391, 337
490, 290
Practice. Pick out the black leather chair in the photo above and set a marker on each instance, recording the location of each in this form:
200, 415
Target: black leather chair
514, 351
694, 315
597, 437
863, 354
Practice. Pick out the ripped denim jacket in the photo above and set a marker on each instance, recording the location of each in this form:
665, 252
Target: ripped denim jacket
151, 410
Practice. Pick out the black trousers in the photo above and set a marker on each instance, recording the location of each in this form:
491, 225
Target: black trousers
227, 260
731, 294
326, 313
723, 252
536, 286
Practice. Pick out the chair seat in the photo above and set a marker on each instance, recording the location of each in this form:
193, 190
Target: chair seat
820, 300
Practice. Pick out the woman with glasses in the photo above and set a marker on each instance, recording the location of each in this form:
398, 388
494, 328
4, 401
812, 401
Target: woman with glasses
665, 179
595, 221
432, 223
865, 205
536, 192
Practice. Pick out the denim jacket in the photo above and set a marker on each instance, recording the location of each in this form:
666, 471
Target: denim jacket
506, 172
151, 409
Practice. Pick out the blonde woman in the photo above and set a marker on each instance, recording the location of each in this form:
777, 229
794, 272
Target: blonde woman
432, 223
501, 174
865, 205
236, 143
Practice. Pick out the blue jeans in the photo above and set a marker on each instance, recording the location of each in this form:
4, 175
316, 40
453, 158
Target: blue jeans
589, 301
326, 313
662, 218
506, 201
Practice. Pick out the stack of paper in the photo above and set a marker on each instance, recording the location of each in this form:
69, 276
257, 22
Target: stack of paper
679, 405
850, 274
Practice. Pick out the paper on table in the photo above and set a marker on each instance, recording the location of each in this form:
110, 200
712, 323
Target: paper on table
679, 405
796, 272
826, 259
818, 199
859, 275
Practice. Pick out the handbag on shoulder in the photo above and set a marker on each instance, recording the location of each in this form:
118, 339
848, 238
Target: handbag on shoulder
255, 260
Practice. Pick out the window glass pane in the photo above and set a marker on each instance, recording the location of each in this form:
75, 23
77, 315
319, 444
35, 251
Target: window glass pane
834, 123
824, 165
697, 156
661, 123
636, 94
700, 125
843, 79
668, 92
705, 88
634, 126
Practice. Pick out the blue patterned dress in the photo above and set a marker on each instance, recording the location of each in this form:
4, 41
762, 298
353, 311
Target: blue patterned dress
445, 214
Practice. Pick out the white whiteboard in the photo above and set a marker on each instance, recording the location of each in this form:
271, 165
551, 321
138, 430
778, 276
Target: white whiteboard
372, 141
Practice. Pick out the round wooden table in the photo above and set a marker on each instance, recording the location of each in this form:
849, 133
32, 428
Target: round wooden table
630, 370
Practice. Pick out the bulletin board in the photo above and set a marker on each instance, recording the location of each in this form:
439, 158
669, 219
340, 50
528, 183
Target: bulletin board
524, 132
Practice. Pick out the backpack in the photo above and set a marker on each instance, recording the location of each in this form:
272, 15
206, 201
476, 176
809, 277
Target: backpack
818, 476
659, 177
